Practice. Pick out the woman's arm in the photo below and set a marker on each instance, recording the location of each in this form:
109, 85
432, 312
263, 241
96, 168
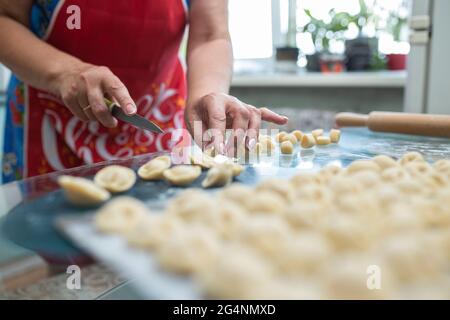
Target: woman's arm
210, 67
42, 66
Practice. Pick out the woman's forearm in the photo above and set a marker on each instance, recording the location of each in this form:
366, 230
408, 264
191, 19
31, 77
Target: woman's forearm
210, 68
31, 59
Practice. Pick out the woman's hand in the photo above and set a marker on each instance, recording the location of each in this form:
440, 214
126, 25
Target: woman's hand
217, 112
83, 89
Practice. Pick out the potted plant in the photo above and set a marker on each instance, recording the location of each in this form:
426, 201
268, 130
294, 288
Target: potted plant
396, 25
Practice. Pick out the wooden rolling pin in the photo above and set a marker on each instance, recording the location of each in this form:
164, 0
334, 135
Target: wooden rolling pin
398, 122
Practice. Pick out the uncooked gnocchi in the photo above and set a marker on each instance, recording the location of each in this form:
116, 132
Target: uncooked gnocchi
218, 176
286, 147
335, 135
153, 170
298, 134
203, 160
82, 192
120, 215
182, 175
323, 141
115, 178
308, 141
317, 133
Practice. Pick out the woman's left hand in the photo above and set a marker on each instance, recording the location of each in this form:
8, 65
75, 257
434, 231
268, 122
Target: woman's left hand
217, 112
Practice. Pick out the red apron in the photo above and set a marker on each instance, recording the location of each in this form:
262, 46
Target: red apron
139, 41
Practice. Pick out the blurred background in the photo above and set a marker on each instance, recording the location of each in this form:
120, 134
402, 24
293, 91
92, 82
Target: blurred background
312, 58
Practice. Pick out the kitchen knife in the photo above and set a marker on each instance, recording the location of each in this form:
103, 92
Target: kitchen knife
135, 120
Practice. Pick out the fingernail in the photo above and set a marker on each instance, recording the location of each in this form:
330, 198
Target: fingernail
251, 144
130, 108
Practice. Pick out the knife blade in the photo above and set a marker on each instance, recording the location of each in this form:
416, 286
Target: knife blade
135, 120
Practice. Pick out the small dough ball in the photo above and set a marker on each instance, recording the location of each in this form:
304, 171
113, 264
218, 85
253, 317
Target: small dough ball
394, 174
153, 170
411, 157
218, 176
335, 135
302, 253
228, 218
115, 178
265, 202
264, 233
190, 250
280, 136
418, 169
323, 141
182, 175
347, 277
152, 232
287, 147
367, 179
203, 160
298, 134
305, 214
266, 145
317, 133
308, 141
82, 192
192, 205
384, 162
304, 178
443, 167
236, 273
363, 165
291, 138
120, 215
326, 174
279, 186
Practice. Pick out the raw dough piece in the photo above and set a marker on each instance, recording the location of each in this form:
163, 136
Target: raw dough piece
323, 141
227, 219
335, 135
362, 165
287, 147
238, 193
394, 174
291, 138
82, 192
115, 178
280, 136
266, 145
280, 187
264, 233
153, 170
305, 215
385, 162
265, 202
203, 160
192, 205
317, 133
120, 215
411, 157
189, 250
218, 176
308, 141
151, 232
298, 134
182, 175
302, 253
236, 273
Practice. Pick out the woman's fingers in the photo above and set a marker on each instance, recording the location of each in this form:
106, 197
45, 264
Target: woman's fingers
240, 115
217, 121
99, 108
116, 89
254, 125
270, 116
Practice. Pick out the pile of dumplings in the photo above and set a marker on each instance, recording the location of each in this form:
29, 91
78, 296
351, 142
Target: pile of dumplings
118, 179
378, 229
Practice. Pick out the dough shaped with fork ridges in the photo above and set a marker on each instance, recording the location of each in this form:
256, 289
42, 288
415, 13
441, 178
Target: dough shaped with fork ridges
115, 178
82, 192
120, 215
153, 170
182, 175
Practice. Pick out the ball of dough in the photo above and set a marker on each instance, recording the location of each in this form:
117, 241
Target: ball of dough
298, 134
385, 162
120, 215
152, 232
203, 160
308, 141
286, 147
264, 233
335, 135
189, 250
323, 141
192, 205
302, 253
394, 174
238, 193
411, 157
182, 175
317, 133
305, 215
280, 136
228, 219
279, 186
291, 138
236, 273
218, 176
265, 202
82, 192
153, 170
363, 165
115, 178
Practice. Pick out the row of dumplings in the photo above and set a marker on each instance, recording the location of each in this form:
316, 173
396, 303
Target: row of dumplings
118, 179
314, 236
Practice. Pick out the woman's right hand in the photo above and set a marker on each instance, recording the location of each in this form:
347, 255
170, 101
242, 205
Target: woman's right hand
83, 89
